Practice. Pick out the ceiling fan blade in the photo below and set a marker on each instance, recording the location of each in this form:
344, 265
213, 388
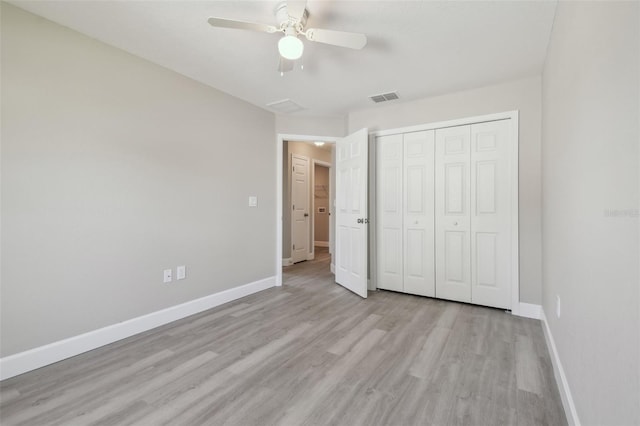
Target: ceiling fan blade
285, 65
241, 25
337, 38
295, 9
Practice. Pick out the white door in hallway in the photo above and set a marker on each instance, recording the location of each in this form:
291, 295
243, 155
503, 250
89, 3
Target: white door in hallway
352, 158
299, 208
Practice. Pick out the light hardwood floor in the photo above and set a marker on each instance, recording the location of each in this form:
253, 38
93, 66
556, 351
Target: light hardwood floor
308, 353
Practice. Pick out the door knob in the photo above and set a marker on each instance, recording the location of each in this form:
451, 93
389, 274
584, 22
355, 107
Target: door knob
455, 223
306, 214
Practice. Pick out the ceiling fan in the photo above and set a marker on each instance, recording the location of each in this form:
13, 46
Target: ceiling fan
291, 18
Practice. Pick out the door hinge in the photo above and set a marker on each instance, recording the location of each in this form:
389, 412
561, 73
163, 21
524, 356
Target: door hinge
293, 207
294, 247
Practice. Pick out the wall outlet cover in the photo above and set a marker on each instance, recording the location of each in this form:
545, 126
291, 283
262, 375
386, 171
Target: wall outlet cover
167, 276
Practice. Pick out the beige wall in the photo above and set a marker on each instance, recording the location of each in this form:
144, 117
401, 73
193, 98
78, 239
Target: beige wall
590, 201
321, 199
312, 152
311, 126
523, 95
111, 172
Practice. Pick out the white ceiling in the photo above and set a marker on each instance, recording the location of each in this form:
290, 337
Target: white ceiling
419, 48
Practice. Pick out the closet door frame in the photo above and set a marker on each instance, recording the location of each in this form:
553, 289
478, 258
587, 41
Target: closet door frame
513, 116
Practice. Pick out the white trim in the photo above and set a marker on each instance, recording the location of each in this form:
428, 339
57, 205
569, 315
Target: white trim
287, 261
448, 123
561, 378
22, 362
372, 214
311, 256
529, 310
333, 269
280, 138
515, 213
321, 243
279, 216
507, 115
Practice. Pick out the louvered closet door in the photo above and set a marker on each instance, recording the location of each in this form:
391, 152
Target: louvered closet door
452, 217
418, 206
389, 208
491, 214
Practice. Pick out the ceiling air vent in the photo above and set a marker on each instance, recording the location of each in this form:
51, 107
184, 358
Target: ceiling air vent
384, 97
285, 106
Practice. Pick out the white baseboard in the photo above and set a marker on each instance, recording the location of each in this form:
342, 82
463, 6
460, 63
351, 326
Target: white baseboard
321, 243
333, 268
287, 261
311, 256
528, 310
22, 362
561, 378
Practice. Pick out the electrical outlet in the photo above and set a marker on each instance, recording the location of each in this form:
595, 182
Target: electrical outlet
253, 201
181, 272
557, 306
167, 275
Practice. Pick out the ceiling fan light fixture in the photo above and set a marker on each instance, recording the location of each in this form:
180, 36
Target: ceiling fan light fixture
290, 47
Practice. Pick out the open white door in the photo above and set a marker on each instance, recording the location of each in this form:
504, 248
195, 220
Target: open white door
352, 212
300, 208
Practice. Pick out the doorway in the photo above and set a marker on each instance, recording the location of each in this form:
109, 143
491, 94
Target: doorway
306, 187
322, 227
322, 190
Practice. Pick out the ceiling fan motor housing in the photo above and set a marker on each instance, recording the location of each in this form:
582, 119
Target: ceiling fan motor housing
284, 20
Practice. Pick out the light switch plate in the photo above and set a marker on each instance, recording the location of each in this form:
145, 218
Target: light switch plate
167, 275
181, 272
253, 201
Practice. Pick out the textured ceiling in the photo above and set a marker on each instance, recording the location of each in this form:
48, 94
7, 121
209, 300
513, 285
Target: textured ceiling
419, 48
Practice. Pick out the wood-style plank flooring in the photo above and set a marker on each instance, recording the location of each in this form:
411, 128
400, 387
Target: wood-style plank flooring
309, 353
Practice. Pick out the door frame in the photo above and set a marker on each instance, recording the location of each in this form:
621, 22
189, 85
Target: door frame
517, 308
280, 138
329, 166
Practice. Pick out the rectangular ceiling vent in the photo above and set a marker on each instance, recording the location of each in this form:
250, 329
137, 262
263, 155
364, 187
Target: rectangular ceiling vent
383, 97
285, 106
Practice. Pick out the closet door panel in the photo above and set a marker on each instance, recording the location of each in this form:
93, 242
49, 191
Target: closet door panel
452, 213
491, 214
389, 153
418, 247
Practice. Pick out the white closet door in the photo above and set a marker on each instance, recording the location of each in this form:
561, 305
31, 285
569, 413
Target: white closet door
453, 199
418, 206
491, 214
389, 208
